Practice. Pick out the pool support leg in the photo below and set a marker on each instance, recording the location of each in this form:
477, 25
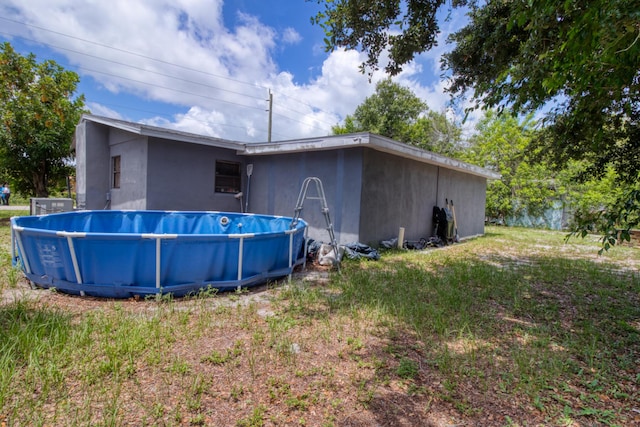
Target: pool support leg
25, 261
240, 252
291, 233
158, 238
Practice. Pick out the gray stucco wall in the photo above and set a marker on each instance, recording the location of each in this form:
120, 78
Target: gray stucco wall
181, 176
370, 194
468, 193
92, 174
132, 150
397, 193
277, 180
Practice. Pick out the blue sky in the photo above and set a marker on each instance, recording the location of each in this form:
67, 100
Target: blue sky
207, 66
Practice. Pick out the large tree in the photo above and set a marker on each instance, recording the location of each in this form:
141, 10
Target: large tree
38, 114
401, 28
390, 111
396, 112
525, 187
579, 60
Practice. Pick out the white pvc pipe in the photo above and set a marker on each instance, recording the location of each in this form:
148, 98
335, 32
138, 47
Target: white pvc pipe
240, 257
13, 246
158, 236
158, 262
240, 236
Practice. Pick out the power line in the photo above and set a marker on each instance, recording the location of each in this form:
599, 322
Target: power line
131, 66
168, 116
131, 53
157, 113
152, 59
168, 88
78, 67
167, 75
202, 96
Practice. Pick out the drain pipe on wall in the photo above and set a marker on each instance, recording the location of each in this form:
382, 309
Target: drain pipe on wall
249, 173
239, 197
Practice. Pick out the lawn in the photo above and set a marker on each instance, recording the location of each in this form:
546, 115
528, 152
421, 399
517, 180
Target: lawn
516, 328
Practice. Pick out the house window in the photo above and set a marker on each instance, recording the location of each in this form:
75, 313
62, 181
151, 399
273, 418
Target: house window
227, 177
115, 172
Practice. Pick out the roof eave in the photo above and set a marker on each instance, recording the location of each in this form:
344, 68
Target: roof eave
164, 133
369, 140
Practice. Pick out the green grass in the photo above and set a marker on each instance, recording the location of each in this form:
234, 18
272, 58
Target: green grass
520, 297
548, 330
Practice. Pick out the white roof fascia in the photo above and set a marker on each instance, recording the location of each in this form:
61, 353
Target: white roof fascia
309, 144
332, 142
411, 152
372, 141
164, 133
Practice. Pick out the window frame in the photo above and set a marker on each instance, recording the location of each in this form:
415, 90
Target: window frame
228, 177
116, 171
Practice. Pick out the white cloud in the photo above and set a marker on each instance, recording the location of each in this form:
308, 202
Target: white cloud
181, 52
101, 110
291, 36
196, 120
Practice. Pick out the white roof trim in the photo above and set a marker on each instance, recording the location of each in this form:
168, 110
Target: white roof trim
372, 141
160, 132
365, 139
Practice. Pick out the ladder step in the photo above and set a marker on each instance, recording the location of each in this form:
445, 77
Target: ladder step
324, 209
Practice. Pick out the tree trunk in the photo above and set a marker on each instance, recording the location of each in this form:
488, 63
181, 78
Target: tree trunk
40, 184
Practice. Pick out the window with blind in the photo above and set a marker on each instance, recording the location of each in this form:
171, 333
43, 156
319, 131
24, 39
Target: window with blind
227, 177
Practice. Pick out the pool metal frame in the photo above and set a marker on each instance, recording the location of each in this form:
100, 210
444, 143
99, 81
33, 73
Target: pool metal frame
16, 240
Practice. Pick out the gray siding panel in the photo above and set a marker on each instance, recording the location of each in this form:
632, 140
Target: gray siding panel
397, 192
277, 180
92, 172
132, 150
402, 193
468, 193
181, 176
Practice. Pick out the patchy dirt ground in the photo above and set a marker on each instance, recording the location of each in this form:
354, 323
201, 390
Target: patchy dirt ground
344, 374
345, 378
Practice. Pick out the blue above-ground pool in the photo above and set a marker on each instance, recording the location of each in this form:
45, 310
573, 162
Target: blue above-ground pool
119, 254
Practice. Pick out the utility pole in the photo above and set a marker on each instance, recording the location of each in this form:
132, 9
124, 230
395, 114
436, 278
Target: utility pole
270, 110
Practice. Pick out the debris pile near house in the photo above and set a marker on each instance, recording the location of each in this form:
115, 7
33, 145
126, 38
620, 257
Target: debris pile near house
359, 250
323, 253
423, 243
445, 231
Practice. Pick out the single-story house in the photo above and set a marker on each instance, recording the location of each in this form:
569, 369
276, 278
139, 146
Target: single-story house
373, 185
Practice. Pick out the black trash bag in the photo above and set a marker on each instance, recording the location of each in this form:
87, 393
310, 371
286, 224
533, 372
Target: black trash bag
416, 245
435, 242
359, 250
442, 223
435, 220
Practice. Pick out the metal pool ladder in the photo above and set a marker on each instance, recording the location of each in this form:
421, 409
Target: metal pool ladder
324, 209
